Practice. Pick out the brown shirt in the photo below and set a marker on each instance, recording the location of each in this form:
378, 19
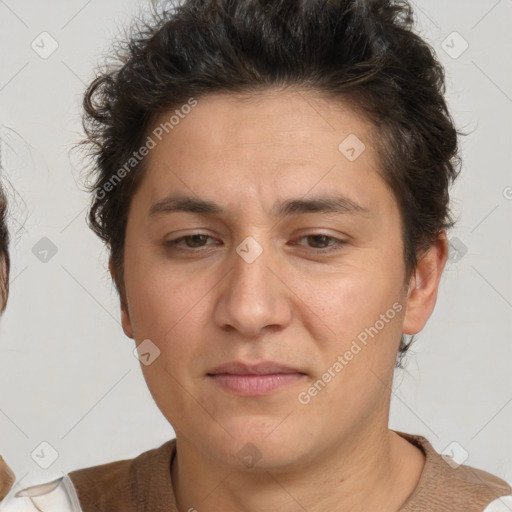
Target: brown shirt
144, 484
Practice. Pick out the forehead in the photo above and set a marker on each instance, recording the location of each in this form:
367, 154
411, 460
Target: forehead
262, 145
288, 124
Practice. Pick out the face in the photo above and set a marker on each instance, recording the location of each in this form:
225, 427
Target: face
253, 238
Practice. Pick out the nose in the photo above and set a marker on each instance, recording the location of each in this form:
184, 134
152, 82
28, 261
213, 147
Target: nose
253, 298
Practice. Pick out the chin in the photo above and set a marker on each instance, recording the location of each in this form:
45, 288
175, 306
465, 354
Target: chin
261, 443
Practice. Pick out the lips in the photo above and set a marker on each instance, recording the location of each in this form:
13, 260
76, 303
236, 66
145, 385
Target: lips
264, 368
254, 379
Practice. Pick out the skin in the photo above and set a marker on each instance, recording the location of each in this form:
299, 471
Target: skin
204, 305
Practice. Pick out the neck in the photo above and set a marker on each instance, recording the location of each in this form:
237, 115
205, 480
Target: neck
372, 471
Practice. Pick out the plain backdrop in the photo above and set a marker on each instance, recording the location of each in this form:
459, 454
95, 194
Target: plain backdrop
69, 378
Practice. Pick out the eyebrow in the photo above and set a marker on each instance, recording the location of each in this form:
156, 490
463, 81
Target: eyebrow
318, 204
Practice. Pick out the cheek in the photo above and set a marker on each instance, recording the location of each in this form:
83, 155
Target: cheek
364, 310
349, 302
157, 296
171, 309
366, 316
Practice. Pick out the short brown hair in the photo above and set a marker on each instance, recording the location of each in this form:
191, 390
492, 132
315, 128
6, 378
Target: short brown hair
363, 51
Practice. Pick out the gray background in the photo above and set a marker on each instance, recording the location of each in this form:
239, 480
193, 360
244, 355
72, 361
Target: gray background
68, 374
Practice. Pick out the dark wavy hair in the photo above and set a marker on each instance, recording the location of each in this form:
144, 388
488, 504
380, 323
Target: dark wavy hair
363, 52
4, 251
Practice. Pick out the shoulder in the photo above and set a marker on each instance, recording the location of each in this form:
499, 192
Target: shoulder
477, 485
446, 485
126, 485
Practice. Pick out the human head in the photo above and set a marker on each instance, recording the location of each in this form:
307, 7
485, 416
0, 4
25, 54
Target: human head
263, 95
372, 60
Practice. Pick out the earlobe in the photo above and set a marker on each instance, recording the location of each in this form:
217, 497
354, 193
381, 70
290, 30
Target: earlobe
424, 285
126, 322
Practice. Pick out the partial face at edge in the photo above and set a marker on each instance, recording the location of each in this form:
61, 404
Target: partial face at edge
299, 291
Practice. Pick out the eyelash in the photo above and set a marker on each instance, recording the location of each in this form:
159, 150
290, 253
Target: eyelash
336, 246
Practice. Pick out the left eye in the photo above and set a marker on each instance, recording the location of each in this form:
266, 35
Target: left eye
323, 243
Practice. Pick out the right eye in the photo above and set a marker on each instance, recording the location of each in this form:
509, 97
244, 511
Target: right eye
194, 241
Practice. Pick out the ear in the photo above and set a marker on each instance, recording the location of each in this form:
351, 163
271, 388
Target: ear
423, 286
126, 321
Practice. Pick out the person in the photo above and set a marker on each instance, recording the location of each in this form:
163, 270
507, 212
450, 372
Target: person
272, 182
59, 495
6, 475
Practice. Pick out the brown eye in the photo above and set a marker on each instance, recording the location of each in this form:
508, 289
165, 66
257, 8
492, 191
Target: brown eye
322, 243
194, 241
319, 241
